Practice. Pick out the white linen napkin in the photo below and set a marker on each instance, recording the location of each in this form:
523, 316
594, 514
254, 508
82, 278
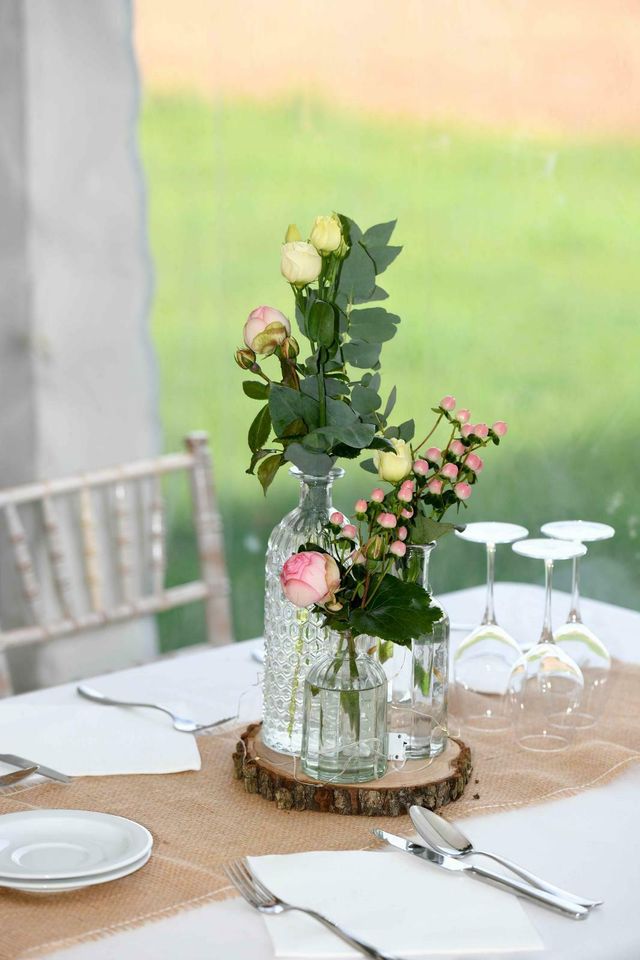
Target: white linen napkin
397, 903
88, 740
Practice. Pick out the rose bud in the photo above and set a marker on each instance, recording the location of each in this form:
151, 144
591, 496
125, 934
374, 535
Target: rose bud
433, 454
421, 467
361, 507
357, 557
456, 448
481, 430
310, 577
448, 403
387, 520
349, 531
334, 607
289, 348
265, 329
326, 234
463, 416
450, 471
292, 234
245, 358
407, 513
499, 428
398, 548
300, 263
405, 493
375, 547
394, 466
336, 518
466, 430
377, 495
402, 533
435, 485
462, 491
474, 462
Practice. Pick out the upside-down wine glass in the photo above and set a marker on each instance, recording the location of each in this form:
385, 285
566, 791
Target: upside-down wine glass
581, 643
483, 662
546, 684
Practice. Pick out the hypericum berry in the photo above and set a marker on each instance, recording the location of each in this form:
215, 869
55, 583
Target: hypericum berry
462, 491
377, 495
448, 403
450, 471
500, 428
398, 548
435, 485
463, 416
387, 520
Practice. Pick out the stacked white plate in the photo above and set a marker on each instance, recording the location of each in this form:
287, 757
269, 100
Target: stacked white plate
52, 851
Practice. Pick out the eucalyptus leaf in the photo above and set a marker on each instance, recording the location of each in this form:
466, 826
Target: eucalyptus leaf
260, 429
313, 464
357, 353
398, 611
357, 435
255, 389
381, 443
369, 466
358, 274
406, 430
391, 402
340, 413
379, 235
333, 388
287, 405
268, 469
383, 256
373, 324
365, 399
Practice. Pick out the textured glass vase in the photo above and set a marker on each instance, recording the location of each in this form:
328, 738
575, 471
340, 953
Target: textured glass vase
418, 675
294, 638
344, 732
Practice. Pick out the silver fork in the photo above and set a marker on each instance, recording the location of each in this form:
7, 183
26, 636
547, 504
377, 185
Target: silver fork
9, 778
180, 723
263, 900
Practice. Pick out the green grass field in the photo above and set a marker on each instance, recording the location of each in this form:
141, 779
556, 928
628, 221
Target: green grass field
518, 288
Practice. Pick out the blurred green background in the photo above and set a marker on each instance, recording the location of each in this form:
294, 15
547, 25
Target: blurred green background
518, 290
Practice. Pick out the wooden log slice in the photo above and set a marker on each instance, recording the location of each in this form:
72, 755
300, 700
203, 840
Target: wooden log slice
278, 777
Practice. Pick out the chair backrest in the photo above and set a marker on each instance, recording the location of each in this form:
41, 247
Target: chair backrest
134, 555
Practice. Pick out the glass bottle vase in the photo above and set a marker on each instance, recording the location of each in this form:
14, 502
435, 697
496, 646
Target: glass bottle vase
294, 637
344, 731
418, 675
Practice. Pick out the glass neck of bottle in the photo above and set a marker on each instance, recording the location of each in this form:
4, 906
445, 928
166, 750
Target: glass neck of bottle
316, 492
417, 562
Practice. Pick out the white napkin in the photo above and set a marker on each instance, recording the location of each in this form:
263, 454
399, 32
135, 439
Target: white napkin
89, 740
397, 903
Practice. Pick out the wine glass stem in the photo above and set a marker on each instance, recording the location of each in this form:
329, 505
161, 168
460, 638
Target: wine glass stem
547, 627
489, 611
574, 613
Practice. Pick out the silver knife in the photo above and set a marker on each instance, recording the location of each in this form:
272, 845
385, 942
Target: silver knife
22, 764
541, 897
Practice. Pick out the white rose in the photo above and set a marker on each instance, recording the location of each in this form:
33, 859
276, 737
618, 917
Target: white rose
394, 466
326, 234
301, 263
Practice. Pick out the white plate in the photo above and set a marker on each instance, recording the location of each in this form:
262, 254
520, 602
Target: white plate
64, 886
48, 845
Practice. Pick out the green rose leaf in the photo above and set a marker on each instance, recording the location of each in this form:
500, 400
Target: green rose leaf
381, 443
321, 325
357, 353
287, 405
426, 530
255, 389
260, 429
398, 611
365, 399
268, 469
373, 324
256, 456
313, 464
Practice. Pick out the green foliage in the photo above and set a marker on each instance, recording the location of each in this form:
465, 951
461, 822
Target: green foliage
398, 611
260, 429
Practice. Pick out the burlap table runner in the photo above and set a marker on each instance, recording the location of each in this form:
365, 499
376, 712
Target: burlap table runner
201, 820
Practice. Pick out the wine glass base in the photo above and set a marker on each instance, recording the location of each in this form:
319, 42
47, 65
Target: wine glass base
543, 743
578, 720
486, 724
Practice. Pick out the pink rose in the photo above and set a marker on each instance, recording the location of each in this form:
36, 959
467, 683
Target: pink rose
462, 491
467, 430
407, 513
361, 506
433, 454
398, 548
387, 520
421, 467
349, 531
310, 577
499, 428
450, 471
463, 416
447, 403
481, 430
435, 485
265, 330
457, 448
336, 518
405, 493
377, 495
402, 533
474, 462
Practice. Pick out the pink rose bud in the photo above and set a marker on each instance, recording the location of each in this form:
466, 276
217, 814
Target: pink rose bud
435, 485
403, 533
387, 520
481, 430
398, 548
474, 462
448, 403
450, 471
421, 467
265, 329
358, 557
467, 430
309, 577
377, 495
407, 513
405, 493
463, 416
433, 454
462, 491
457, 448
361, 506
337, 518
499, 427
349, 531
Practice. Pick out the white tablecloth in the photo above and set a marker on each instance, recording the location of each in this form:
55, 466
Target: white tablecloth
588, 843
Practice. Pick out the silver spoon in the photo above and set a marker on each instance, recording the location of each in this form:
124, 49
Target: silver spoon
446, 839
180, 723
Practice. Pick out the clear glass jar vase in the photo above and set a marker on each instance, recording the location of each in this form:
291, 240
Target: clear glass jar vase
344, 733
294, 637
418, 675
